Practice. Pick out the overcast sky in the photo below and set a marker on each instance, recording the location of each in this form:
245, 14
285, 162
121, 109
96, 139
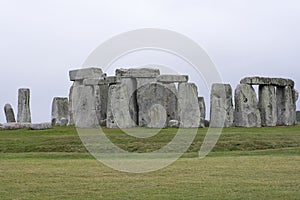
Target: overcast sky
40, 41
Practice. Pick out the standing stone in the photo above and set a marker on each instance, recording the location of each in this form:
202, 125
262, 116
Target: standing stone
267, 105
188, 107
103, 93
9, 113
130, 87
118, 109
77, 99
84, 107
202, 109
286, 107
221, 109
157, 105
246, 107
60, 111
71, 112
23, 105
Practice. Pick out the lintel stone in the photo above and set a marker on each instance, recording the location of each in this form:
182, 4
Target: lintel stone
172, 78
138, 72
267, 81
85, 73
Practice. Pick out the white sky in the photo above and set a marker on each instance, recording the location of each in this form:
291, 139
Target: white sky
40, 41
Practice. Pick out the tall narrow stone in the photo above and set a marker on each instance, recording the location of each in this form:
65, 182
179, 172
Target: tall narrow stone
9, 113
24, 105
202, 109
267, 105
286, 107
221, 107
246, 107
188, 107
118, 109
84, 107
60, 111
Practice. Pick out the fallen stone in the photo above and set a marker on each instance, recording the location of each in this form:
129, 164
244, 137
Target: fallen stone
188, 107
172, 78
84, 73
60, 111
40, 126
286, 107
267, 105
138, 73
202, 109
221, 109
246, 107
24, 115
15, 126
157, 105
9, 113
267, 81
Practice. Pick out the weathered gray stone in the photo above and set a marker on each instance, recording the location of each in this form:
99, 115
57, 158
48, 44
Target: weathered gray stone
173, 123
295, 95
85, 73
118, 109
40, 126
102, 105
267, 81
24, 106
221, 107
157, 105
267, 105
71, 112
172, 78
286, 107
246, 107
202, 109
15, 126
138, 73
84, 106
60, 111
9, 113
144, 81
188, 107
103, 81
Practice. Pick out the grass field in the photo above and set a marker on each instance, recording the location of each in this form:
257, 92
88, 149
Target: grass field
246, 163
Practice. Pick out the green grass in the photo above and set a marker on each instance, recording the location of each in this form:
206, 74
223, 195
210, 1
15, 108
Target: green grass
246, 163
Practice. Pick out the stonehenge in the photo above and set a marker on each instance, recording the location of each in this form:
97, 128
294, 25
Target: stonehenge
142, 97
277, 100
134, 97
